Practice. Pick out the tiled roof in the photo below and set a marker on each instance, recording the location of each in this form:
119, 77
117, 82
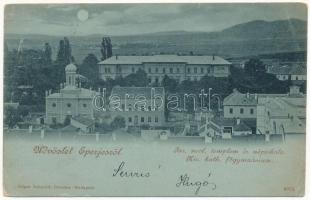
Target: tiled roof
83, 120
292, 69
137, 91
231, 122
76, 93
221, 121
166, 59
242, 127
237, 98
69, 128
214, 127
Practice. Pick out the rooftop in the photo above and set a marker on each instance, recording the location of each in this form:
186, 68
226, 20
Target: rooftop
70, 68
237, 98
137, 91
81, 93
291, 69
231, 122
83, 120
214, 60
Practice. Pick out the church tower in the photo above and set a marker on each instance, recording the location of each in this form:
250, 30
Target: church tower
71, 76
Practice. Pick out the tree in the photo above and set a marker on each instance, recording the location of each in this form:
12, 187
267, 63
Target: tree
260, 83
67, 51
169, 84
47, 53
64, 56
106, 48
103, 49
254, 66
109, 47
118, 122
89, 69
11, 116
61, 52
138, 79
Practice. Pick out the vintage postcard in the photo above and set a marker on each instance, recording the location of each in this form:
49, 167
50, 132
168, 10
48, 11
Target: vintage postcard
196, 99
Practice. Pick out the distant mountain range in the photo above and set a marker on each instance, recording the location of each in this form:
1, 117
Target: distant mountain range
251, 38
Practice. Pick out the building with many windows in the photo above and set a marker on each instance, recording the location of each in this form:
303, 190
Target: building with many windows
292, 71
70, 101
138, 105
157, 66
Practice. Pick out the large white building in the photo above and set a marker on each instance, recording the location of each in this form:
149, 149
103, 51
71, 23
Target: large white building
157, 66
70, 101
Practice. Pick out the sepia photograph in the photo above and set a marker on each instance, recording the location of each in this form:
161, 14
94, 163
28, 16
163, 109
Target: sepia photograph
155, 99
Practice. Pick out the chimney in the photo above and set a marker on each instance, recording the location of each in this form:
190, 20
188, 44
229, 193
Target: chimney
213, 57
255, 96
247, 95
116, 56
238, 121
46, 93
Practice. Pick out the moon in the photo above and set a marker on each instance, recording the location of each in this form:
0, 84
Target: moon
82, 15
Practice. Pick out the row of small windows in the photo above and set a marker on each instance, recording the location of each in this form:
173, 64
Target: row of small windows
171, 70
141, 108
156, 79
241, 111
69, 105
142, 119
284, 77
107, 70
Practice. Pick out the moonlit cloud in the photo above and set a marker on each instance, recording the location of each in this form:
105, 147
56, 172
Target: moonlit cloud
126, 19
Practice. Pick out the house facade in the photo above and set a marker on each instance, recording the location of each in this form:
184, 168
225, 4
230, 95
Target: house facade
139, 105
157, 66
70, 101
293, 72
239, 105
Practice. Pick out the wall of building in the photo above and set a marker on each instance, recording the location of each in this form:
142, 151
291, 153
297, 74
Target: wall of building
269, 121
237, 113
241, 133
138, 118
61, 109
142, 116
221, 71
298, 77
283, 77
157, 71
